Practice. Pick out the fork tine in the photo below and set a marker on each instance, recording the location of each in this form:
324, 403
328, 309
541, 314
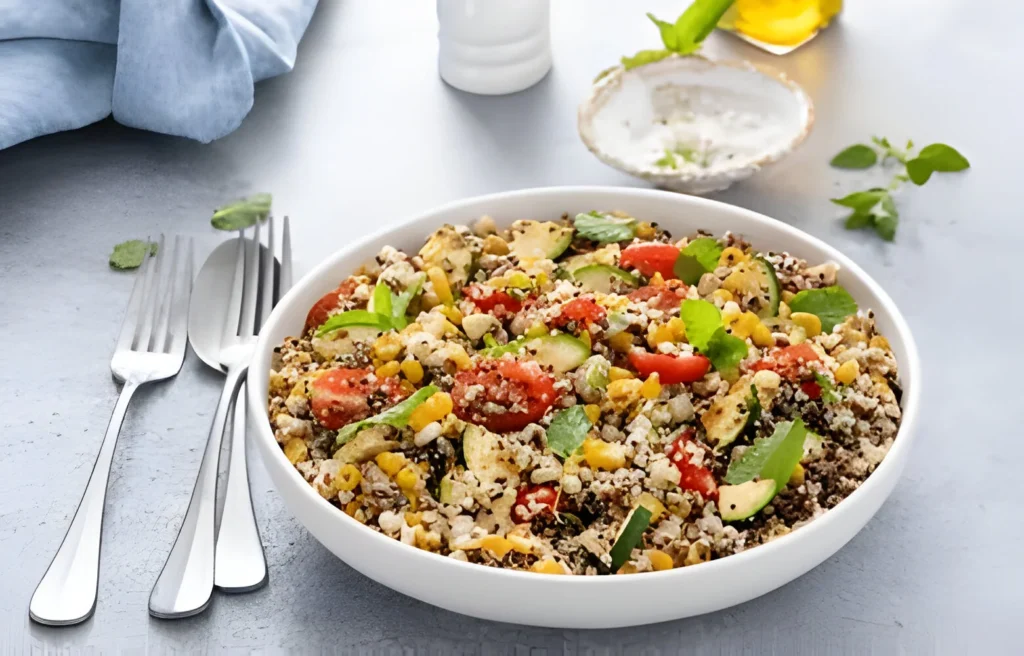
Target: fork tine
178, 325
266, 279
152, 300
164, 301
284, 282
250, 285
134, 311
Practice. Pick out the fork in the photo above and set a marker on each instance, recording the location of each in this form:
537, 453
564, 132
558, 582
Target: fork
151, 347
185, 585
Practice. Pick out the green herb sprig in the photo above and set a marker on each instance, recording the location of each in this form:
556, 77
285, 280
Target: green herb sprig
686, 35
875, 208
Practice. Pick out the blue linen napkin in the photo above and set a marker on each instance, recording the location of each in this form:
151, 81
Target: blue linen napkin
182, 67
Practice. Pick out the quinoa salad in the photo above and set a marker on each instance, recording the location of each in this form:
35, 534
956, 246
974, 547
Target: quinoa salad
587, 395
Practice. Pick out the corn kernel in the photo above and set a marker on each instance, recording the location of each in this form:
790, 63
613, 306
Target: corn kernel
593, 412
722, 294
407, 478
441, 287
407, 387
657, 280
458, 355
731, 256
784, 311
645, 230
413, 371
762, 336
729, 317
426, 540
879, 342
744, 325
453, 314
348, 478
390, 463
660, 333
787, 295
651, 387
295, 450
519, 280
353, 506
618, 373
621, 342
435, 408
627, 568
660, 560
809, 322
390, 369
496, 544
796, 479
603, 455
541, 279
678, 328
495, 245
847, 372
387, 347
413, 518
547, 566
650, 502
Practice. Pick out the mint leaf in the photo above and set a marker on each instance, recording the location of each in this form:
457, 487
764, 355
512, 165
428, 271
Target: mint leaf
396, 416
382, 299
130, 254
354, 318
697, 22
604, 228
862, 201
828, 391
668, 32
726, 351
699, 257
567, 431
857, 156
772, 457
830, 304
644, 57
242, 214
668, 160
400, 303
702, 319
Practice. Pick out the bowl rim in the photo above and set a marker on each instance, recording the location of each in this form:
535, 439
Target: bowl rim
910, 369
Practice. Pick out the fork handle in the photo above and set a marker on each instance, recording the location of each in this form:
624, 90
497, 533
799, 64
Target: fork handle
239, 564
67, 592
185, 584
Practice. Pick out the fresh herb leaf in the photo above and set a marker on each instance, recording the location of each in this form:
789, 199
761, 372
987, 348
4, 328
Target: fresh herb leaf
828, 391
857, 156
697, 22
567, 431
772, 457
396, 416
830, 304
885, 219
861, 202
699, 257
919, 171
514, 346
630, 536
753, 406
668, 160
644, 57
937, 157
354, 318
382, 299
242, 214
604, 228
130, 254
489, 341
726, 351
705, 332
668, 32
857, 221
400, 303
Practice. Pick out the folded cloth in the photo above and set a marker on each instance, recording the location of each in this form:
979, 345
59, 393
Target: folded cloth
182, 67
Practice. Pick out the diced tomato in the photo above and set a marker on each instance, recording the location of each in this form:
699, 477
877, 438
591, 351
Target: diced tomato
670, 368
342, 396
788, 361
692, 477
495, 301
667, 298
542, 498
811, 389
650, 258
330, 301
582, 310
505, 383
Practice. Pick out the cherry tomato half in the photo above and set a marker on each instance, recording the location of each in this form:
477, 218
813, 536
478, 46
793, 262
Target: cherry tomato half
582, 310
667, 298
788, 361
330, 301
533, 500
341, 396
670, 368
692, 477
522, 391
491, 300
650, 258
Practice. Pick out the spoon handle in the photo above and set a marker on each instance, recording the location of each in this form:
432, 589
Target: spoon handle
240, 565
185, 584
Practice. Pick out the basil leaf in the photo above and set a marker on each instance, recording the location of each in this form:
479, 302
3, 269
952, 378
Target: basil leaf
400, 303
603, 228
857, 156
943, 158
354, 318
702, 319
830, 304
919, 171
242, 214
396, 416
567, 431
668, 32
130, 254
707, 251
644, 57
772, 457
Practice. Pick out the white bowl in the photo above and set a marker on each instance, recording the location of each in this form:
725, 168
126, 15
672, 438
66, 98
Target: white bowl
578, 601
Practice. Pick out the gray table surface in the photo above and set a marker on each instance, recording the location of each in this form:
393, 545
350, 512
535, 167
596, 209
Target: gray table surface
363, 133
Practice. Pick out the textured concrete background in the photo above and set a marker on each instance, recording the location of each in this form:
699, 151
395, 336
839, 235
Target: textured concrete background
363, 133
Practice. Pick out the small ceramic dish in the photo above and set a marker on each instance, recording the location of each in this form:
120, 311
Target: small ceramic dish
693, 125
583, 601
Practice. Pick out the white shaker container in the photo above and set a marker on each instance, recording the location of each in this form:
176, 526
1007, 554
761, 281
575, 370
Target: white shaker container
494, 46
